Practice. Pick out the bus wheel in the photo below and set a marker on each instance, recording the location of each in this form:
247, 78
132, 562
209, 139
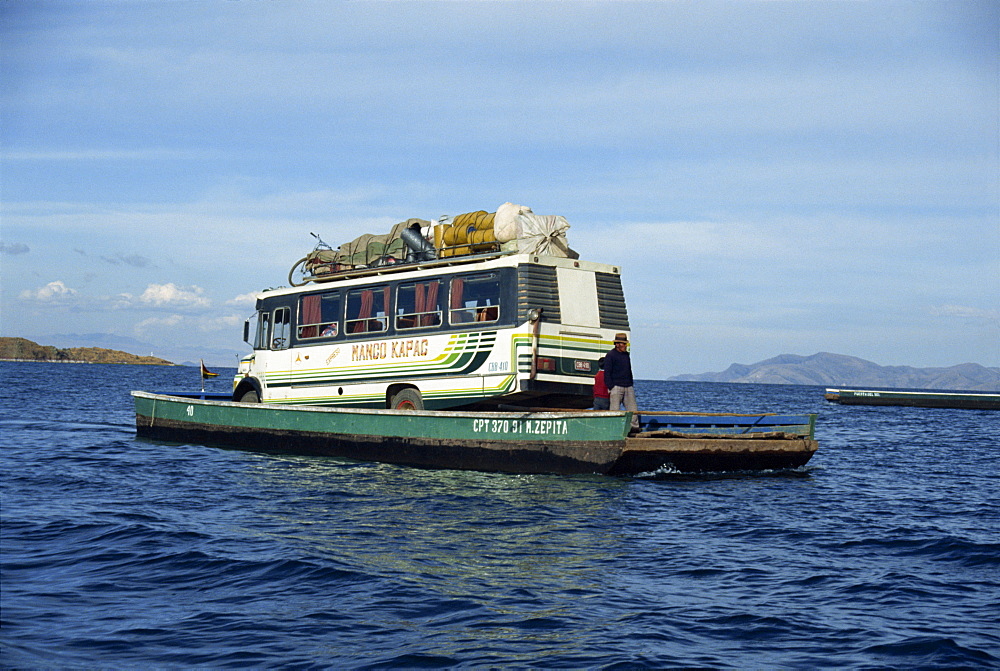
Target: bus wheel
250, 397
407, 399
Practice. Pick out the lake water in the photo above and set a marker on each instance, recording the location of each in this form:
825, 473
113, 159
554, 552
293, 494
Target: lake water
117, 553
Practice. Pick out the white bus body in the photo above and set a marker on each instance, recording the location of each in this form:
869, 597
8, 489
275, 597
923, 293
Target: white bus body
464, 332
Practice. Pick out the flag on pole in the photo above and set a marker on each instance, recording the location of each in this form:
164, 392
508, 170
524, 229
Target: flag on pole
206, 372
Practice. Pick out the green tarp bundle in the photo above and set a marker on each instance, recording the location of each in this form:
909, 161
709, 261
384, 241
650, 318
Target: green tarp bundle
369, 249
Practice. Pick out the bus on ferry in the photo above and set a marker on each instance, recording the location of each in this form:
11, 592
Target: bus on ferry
462, 332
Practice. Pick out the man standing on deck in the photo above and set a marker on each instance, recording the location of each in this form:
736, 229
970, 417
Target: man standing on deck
618, 378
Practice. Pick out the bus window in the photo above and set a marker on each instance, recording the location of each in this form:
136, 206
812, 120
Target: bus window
367, 309
418, 304
282, 328
319, 315
475, 298
263, 329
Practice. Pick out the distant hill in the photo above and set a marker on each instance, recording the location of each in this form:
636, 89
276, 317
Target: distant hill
183, 355
832, 370
23, 349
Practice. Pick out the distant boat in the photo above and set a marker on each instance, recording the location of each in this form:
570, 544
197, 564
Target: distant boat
915, 399
206, 372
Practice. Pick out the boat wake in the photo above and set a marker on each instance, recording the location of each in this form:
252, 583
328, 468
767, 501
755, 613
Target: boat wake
668, 472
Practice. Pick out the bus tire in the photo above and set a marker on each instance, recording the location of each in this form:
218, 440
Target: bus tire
407, 399
250, 396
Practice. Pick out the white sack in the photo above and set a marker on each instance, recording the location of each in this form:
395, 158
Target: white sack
505, 224
544, 235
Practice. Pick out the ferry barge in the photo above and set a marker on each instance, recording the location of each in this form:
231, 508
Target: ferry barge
437, 344
559, 442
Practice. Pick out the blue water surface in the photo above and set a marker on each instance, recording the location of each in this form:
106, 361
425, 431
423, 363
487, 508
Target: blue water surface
883, 552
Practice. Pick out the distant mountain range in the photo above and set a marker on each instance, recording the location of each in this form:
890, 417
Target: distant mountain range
833, 370
822, 369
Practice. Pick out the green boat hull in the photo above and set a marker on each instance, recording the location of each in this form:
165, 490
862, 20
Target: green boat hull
511, 442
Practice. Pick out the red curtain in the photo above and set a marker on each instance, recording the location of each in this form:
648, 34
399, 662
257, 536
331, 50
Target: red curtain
310, 314
367, 300
430, 304
418, 297
386, 293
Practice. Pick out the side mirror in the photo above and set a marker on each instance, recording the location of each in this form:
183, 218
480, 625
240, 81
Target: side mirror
246, 331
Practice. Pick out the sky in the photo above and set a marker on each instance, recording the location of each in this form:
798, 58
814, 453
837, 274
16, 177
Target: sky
772, 177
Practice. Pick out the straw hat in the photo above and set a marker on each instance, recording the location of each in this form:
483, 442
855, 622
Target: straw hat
621, 337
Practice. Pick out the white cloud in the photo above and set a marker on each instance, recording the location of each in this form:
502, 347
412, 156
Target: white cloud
230, 323
53, 292
155, 324
175, 325
165, 295
964, 312
244, 299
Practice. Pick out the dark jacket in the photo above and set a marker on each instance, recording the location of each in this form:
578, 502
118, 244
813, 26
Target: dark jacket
617, 369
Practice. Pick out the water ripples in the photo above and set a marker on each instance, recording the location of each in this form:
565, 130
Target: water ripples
120, 553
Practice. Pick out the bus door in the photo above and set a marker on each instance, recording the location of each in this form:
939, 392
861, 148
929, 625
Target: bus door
579, 333
274, 336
